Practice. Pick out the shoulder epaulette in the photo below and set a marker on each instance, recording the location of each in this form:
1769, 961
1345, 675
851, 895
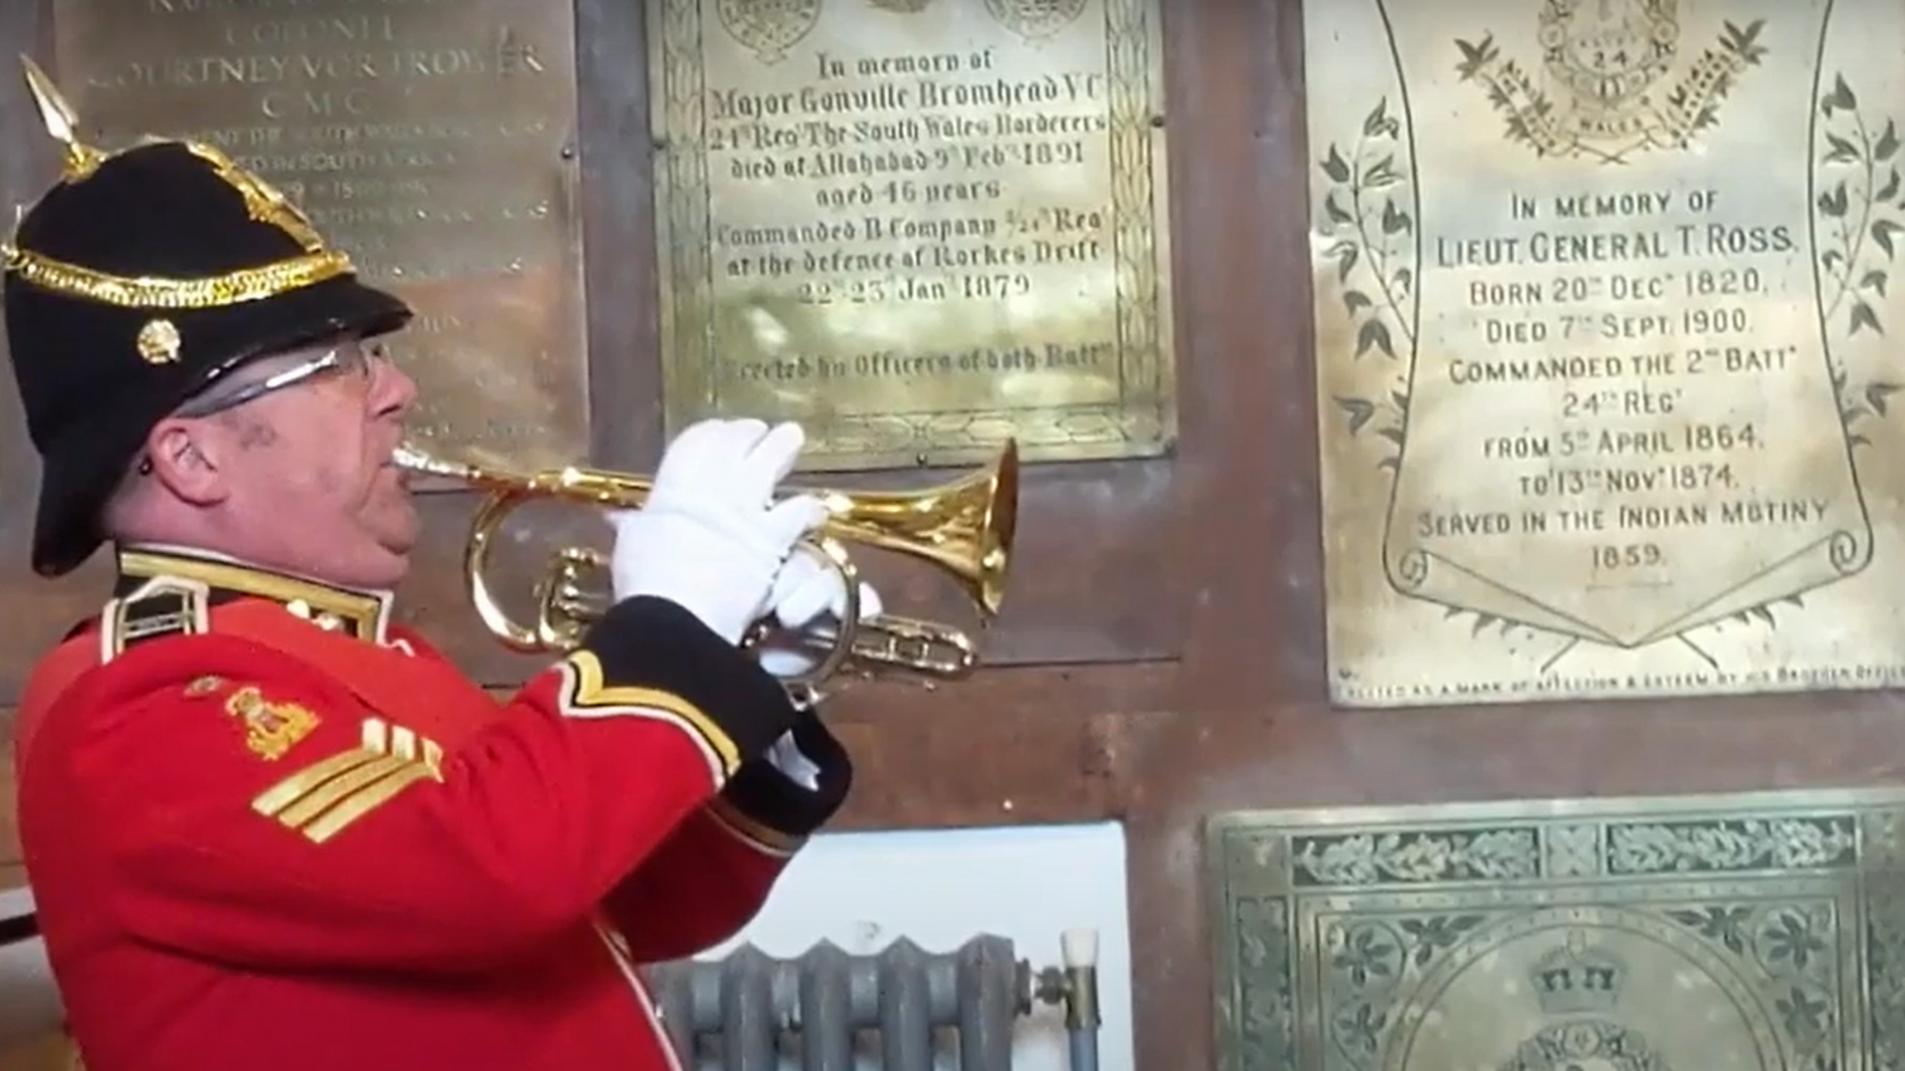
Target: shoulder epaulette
162, 606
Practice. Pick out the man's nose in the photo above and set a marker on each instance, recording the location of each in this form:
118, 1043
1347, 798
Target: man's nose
393, 392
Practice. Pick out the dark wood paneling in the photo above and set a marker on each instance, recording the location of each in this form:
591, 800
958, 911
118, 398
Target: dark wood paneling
1046, 744
1248, 533
617, 208
9, 812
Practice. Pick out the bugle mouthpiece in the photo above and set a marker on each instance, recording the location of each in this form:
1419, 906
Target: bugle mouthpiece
406, 456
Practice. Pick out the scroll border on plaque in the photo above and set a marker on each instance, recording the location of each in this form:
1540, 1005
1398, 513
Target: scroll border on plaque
1144, 421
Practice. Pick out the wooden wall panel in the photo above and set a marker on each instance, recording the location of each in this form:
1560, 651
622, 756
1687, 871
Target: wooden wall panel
9, 826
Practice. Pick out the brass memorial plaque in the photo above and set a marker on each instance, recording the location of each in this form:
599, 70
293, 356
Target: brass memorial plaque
1607, 310
917, 226
1745, 933
432, 140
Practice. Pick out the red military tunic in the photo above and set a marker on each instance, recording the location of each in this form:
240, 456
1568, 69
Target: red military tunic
267, 828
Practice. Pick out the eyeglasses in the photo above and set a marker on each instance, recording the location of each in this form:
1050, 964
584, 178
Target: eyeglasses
347, 360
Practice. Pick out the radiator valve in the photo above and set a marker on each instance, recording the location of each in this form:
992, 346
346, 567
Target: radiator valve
1075, 986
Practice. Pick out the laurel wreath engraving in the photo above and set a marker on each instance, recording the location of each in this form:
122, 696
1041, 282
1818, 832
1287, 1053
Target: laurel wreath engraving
1362, 207
1367, 859
1860, 215
1722, 846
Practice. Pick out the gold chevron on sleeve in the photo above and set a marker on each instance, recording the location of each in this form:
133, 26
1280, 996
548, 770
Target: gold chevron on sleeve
325, 797
585, 694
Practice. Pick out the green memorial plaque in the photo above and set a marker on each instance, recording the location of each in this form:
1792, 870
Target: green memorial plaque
1741, 932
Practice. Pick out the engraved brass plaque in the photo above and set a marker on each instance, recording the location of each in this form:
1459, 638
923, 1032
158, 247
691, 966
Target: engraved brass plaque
432, 140
1605, 301
917, 226
1750, 932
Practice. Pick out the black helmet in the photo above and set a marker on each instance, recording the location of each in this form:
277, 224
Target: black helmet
133, 283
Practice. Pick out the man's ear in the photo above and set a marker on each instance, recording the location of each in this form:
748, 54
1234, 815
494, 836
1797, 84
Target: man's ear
184, 458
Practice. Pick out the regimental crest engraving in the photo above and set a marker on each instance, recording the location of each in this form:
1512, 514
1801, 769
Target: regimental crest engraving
1743, 931
768, 28
1035, 18
1607, 65
1566, 1046
1578, 987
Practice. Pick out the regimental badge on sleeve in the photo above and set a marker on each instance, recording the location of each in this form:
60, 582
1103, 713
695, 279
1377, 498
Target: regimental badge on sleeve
271, 729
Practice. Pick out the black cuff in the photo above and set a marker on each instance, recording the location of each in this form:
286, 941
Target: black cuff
650, 642
762, 793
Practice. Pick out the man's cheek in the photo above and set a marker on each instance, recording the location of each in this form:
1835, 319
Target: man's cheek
325, 480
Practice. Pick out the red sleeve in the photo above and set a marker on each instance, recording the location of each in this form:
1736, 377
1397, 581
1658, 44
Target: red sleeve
711, 877
362, 844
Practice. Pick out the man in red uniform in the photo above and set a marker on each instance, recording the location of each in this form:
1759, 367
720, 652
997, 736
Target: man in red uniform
266, 825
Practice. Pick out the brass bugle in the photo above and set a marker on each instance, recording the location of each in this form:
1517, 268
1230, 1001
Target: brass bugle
964, 527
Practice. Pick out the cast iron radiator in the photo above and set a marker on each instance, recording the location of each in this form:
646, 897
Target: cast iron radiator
741, 1013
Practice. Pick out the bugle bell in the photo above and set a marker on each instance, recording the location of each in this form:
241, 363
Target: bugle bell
964, 527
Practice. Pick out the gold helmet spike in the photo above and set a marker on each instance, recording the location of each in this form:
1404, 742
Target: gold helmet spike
62, 122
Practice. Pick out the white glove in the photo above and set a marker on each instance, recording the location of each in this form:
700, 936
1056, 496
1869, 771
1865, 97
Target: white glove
812, 597
710, 537
808, 597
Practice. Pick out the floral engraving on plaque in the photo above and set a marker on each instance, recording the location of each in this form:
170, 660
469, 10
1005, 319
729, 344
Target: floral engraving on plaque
1035, 18
1573, 851
1371, 962
1885, 963
1789, 948
1604, 60
769, 28
1719, 846
1265, 994
1367, 859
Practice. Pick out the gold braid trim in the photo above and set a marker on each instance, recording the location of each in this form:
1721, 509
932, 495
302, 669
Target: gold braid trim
155, 292
263, 202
